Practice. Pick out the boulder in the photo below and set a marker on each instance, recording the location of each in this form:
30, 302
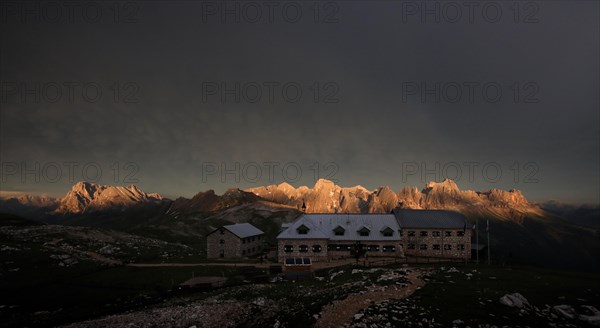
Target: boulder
592, 319
566, 311
514, 300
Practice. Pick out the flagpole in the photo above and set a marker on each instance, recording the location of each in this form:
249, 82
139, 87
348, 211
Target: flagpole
488, 237
477, 239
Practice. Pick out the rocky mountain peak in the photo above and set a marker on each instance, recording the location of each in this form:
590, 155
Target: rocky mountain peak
324, 184
326, 197
447, 185
89, 197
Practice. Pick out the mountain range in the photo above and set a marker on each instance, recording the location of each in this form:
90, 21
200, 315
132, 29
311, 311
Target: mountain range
550, 234
323, 197
326, 197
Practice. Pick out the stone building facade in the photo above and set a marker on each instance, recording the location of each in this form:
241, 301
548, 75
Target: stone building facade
434, 233
426, 233
442, 243
325, 237
234, 241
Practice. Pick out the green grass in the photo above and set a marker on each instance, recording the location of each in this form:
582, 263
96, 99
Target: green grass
469, 299
86, 291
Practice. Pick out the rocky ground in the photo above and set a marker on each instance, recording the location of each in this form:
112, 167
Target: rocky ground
278, 304
358, 297
67, 246
515, 309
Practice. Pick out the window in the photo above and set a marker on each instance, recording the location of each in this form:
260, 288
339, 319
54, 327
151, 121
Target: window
222, 231
222, 241
259, 237
244, 252
339, 231
243, 240
348, 247
302, 230
316, 248
435, 233
252, 238
253, 249
448, 247
373, 248
303, 248
448, 233
364, 231
411, 233
334, 247
389, 249
387, 232
460, 233
423, 234
401, 233
288, 248
423, 247
436, 247
460, 247
410, 246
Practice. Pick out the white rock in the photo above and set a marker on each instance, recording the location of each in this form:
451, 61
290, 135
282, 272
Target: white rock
514, 300
566, 311
358, 316
593, 319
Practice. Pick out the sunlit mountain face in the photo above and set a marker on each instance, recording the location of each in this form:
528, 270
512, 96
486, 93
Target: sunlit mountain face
170, 164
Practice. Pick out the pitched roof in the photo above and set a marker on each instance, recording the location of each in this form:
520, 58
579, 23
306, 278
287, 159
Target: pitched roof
441, 219
322, 226
243, 230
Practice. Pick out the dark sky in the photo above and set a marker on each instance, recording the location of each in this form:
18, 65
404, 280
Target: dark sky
364, 116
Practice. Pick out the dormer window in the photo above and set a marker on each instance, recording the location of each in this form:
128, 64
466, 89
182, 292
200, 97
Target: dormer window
364, 231
302, 230
339, 231
387, 232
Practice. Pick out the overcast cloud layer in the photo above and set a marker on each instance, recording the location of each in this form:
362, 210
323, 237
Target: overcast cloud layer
367, 61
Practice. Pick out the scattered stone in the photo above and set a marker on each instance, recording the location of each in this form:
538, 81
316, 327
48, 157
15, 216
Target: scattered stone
259, 301
594, 315
335, 274
565, 311
108, 250
514, 300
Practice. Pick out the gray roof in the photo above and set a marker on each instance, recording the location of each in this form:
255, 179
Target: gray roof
440, 219
321, 226
243, 230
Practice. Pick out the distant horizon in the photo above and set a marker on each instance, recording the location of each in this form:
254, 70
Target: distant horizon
168, 195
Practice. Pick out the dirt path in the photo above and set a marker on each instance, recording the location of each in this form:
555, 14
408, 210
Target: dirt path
266, 265
343, 311
156, 265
